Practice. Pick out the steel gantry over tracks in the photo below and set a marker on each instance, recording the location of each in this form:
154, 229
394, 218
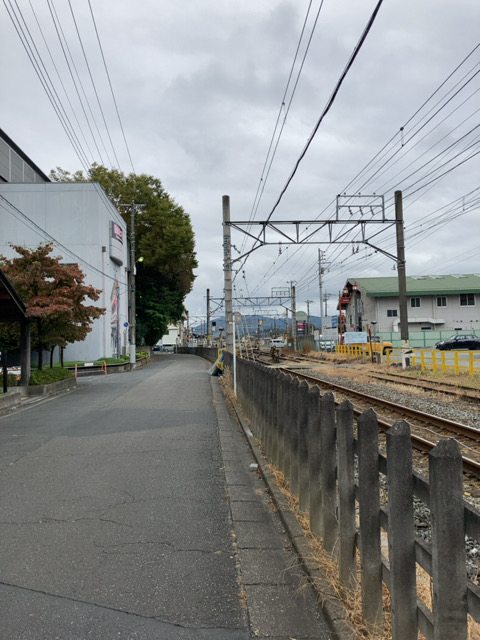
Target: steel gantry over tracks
352, 211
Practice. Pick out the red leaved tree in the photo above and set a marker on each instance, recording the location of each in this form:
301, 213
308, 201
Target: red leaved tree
54, 295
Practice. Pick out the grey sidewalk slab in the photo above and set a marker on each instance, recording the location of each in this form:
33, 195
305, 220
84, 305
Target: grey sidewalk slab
280, 602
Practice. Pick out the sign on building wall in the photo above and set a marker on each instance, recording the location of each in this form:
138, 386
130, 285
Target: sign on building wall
116, 231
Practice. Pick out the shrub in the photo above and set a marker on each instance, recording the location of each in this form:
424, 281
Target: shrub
13, 380
49, 375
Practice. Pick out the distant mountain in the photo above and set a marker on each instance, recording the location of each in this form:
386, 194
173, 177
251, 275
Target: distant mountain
266, 325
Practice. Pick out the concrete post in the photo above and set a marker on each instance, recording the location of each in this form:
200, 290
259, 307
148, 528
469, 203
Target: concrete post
401, 537
313, 429
293, 428
448, 542
346, 494
302, 411
328, 471
369, 498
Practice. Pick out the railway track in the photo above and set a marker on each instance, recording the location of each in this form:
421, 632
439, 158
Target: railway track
466, 393
420, 422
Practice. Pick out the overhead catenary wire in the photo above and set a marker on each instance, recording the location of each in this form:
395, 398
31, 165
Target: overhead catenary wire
284, 110
324, 113
435, 174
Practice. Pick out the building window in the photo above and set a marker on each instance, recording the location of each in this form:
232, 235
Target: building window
467, 299
415, 303
392, 313
441, 301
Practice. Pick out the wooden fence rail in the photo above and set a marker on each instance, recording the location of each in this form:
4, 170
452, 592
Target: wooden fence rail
361, 503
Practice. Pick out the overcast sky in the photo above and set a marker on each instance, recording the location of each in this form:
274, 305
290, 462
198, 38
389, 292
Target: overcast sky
222, 97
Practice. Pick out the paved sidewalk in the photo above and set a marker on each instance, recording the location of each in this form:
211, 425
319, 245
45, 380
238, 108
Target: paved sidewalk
128, 511
280, 601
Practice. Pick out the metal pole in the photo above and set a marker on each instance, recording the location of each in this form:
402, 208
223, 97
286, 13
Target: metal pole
401, 270
227, 269
234, 361
294, 318
208, 332
320, 287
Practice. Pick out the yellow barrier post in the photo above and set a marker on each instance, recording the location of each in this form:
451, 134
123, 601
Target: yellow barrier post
422, 360
455, 360
104, 367
444, 362
471, 365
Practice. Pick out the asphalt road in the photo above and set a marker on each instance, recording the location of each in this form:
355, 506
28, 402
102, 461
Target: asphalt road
116, 518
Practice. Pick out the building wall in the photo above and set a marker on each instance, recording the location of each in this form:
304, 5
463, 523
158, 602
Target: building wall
82, 219
452, 316
15, 166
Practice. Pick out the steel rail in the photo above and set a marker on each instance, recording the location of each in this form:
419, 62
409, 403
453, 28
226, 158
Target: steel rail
470, 466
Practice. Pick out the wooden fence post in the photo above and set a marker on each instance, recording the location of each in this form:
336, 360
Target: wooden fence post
303, 485
328, 470
448, 542
271, 415
369, 498
346, 495
260, 401
401, 537
313, 428
276, 398
281, 411
293, 429
287, 427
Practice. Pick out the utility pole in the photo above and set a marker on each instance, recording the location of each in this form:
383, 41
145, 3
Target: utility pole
401, 270
308, 316
131, 284
227, 270
321, 271
294, 316
326, 297
133, 308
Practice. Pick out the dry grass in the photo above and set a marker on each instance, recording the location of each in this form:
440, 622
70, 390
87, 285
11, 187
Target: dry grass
351, 599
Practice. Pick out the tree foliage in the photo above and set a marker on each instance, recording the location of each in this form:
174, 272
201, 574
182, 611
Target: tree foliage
54, 295
164, 238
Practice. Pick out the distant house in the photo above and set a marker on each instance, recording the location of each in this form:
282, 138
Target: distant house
439, 303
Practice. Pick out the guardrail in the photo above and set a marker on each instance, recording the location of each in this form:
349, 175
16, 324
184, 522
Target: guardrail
434, 360
456, 361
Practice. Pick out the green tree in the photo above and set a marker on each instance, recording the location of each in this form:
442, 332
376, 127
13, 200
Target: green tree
54, 295
164, 238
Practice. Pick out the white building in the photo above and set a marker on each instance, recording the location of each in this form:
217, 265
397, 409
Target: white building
88, 230
435, 303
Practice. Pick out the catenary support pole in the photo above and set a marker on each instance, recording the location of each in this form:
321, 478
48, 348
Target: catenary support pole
227, 270
208, 331
401, 270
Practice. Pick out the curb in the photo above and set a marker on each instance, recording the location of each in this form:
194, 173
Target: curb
332, 608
